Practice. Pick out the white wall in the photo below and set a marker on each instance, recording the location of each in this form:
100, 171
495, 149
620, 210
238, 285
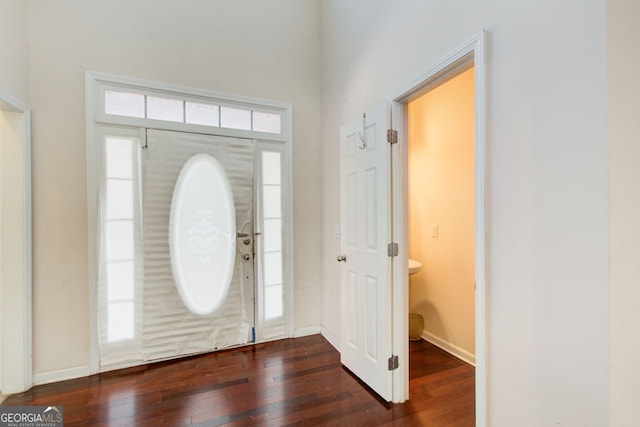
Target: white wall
267, 49
13, 49
623, 111
547, 181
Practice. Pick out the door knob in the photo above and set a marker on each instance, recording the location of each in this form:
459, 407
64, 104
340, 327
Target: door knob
342, 258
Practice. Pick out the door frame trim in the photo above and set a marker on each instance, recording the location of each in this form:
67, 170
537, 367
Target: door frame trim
16, 350
94, 82
471, 52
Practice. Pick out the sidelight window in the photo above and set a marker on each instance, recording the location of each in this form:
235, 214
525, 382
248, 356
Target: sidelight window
272, 230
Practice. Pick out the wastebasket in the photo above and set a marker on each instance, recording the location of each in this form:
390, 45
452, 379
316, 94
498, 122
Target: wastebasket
416, 325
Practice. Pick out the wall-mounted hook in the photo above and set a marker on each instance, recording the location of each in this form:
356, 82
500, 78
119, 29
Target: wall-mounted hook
363, 135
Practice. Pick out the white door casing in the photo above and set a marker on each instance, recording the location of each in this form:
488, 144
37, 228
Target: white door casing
267, 140
365, 230
16, 349
473, 50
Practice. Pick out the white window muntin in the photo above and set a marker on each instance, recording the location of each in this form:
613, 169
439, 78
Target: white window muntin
195, 96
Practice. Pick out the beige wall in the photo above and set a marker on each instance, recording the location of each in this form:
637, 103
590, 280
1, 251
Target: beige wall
267, 49
547, 221
623, 124
441, 191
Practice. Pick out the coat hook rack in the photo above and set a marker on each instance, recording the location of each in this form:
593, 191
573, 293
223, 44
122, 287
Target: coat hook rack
363, 135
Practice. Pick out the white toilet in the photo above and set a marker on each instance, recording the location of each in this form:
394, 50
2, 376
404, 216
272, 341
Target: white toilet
414, 266
416, 321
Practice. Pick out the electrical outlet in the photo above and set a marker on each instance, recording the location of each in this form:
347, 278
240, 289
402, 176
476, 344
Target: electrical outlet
434, 231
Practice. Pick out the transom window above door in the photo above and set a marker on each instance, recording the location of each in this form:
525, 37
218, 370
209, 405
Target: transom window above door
132, 102
138, 105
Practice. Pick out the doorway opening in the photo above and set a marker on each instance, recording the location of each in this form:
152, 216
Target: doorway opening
15, 247
470, 345
441, 216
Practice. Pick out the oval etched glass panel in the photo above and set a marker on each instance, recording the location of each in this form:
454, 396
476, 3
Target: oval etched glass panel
202, 234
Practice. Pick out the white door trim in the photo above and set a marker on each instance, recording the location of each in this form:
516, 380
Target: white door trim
473, 50
16, 349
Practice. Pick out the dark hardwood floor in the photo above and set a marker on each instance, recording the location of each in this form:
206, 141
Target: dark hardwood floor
290, 382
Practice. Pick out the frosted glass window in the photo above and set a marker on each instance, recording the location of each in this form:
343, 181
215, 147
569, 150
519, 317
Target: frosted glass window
202, 234
273, 268
119, 199
202, 114
120, 327
271, 201
235, 118
120, 279
171, 110
119, 240
272, 235
124, 104
271, 168
273, 302
271, 224
119, 157
118, 276
267, 122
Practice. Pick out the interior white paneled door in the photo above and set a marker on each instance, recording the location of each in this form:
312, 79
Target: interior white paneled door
365, 276
170, 328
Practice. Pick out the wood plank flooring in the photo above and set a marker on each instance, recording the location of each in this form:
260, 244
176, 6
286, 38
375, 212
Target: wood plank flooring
293, 382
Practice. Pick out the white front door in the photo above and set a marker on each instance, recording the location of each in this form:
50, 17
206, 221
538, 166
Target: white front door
172, 323
366, 265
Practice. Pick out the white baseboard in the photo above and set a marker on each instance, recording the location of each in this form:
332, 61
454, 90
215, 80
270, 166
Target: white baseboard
329, 337
452, 349
303, 332
61, 375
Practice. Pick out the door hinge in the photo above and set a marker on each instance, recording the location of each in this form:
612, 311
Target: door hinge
393, 363
392, 249
392, 136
